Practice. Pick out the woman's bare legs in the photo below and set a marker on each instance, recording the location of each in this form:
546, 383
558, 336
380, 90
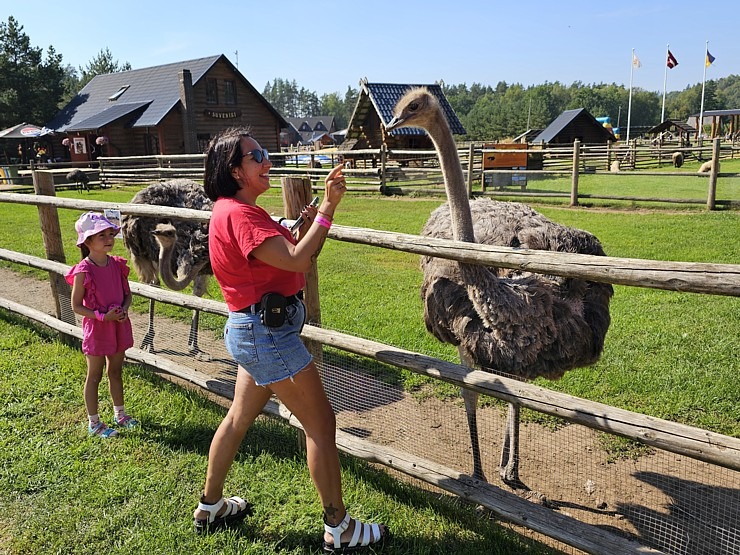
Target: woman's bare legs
305, 397
249, 400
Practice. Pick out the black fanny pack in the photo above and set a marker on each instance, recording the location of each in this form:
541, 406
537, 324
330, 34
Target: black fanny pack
272, 309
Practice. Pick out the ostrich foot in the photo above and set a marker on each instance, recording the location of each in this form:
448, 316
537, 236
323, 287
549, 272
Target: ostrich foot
202, 356
147, 344
510, 477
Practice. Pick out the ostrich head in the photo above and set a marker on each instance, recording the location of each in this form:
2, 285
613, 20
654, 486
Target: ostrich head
417, 108
165, 234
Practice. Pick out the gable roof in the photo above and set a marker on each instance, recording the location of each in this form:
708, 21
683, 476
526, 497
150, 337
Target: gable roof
567, 118
383, 97
669, 123
146, 95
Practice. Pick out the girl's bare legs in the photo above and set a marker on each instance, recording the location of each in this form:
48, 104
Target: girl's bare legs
305, 397
95, 366
115, 377
249, 400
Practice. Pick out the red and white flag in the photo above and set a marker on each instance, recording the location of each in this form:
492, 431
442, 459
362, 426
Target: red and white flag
672, 61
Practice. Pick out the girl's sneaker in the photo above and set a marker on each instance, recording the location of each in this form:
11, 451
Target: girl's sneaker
127, 421
101, 430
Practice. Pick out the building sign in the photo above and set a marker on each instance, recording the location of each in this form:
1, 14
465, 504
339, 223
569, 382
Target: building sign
79, 145
215, 114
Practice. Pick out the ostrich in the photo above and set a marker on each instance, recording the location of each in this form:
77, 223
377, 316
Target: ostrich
502, 320
179, 255
79, 178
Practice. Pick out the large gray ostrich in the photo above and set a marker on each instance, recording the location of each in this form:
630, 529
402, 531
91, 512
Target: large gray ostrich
502, 320
176, 251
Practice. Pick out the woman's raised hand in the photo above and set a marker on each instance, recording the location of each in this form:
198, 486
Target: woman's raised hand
336, 185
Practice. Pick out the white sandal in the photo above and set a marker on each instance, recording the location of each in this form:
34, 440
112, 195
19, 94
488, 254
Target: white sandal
236, 509
367, 531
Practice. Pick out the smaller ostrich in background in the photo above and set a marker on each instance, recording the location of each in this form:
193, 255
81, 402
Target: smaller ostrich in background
176, 251
79, 178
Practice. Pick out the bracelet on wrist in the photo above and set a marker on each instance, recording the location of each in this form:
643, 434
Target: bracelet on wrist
323, 222
100, 316
327, 216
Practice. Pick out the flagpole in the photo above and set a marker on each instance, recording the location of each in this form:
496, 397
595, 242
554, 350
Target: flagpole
700, 130
629, 103
665, 80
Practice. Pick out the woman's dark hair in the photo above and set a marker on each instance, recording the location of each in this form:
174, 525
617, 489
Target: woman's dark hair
223, 155
84, 251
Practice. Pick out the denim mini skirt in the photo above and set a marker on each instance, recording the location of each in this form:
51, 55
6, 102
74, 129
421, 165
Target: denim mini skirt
269, 355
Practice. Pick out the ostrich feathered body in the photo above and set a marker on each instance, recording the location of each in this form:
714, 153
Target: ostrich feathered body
510, 321
191, 247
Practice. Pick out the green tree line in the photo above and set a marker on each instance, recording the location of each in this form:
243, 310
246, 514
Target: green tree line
34, 86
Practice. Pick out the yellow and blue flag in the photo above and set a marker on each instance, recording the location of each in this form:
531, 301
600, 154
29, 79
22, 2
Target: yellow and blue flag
710, 59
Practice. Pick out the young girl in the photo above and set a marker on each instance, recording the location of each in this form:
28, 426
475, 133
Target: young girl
101, 295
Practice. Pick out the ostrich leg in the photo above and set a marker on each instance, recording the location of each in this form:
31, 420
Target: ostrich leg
200, 284
509, 467
147, 344
471, 406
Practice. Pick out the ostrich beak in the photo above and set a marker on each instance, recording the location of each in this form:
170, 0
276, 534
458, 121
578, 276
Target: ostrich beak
395, 122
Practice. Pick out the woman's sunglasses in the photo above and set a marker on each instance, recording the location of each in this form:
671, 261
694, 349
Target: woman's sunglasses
259, 155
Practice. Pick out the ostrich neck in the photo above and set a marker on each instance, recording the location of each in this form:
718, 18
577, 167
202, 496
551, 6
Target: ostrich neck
165, 270
457, 191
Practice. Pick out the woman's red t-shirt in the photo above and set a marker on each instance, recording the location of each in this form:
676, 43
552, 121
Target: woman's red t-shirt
235, 230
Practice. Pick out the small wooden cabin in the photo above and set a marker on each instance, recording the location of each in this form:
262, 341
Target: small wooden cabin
169, 109
374, 110
575, 124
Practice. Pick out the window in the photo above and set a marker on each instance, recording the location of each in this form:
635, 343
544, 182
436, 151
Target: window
117, 95
211, 91
230, 92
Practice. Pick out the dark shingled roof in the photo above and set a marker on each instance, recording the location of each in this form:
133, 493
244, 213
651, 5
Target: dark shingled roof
107, 116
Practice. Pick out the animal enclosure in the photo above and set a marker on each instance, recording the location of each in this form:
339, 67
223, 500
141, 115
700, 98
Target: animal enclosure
688, 478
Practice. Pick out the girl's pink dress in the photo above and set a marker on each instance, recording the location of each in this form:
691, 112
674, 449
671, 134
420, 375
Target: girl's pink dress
104, 287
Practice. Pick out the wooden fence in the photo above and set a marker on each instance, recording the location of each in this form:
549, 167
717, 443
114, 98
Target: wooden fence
702, 445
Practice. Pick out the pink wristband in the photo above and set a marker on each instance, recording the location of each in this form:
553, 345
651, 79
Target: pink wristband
323, 222
99, 315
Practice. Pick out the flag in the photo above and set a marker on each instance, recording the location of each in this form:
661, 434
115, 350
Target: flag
636, 61
672, 61
710, 59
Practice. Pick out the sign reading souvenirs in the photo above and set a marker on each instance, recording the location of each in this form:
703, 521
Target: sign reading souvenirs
223, 115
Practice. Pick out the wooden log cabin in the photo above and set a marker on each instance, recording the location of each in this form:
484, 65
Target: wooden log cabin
169, 109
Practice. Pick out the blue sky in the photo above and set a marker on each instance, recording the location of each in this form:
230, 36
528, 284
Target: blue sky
327, 46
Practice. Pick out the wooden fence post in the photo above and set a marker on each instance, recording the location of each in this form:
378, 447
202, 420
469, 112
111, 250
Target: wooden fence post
712, 191
471, 153
296, 195
383, 159
43, 184
574, 182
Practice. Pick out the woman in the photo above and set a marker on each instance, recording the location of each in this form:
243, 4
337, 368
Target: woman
252, 256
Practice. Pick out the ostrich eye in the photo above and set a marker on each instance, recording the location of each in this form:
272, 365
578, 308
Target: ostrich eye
414, 106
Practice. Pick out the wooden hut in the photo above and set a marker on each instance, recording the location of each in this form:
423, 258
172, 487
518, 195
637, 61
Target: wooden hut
374, 110
575, 124
169, 109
